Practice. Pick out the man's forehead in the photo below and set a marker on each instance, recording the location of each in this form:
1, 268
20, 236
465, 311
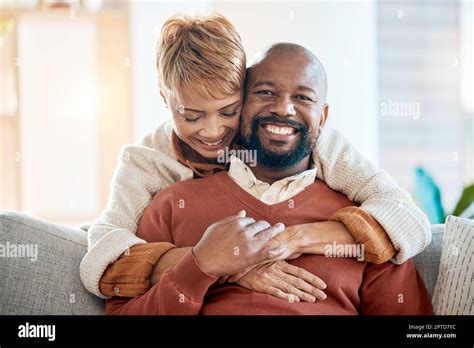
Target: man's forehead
293, 74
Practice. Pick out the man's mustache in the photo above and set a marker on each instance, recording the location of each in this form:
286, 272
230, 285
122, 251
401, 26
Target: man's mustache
280, 120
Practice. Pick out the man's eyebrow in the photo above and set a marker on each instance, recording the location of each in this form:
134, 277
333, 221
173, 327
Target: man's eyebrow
261, 83
222, 108
300, 87
306, 88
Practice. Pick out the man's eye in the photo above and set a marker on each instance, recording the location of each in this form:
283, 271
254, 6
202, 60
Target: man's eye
264, 92
303, 97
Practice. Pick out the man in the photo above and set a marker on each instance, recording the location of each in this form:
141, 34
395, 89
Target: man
284, 110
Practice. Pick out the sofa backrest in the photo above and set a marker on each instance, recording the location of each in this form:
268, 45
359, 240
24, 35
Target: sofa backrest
427, 262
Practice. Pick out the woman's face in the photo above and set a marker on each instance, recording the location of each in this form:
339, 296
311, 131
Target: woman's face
206, 125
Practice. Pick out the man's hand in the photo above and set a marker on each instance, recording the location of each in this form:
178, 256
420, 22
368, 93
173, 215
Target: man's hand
284, 281
235, 243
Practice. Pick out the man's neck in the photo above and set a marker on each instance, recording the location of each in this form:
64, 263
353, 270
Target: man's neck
270, 175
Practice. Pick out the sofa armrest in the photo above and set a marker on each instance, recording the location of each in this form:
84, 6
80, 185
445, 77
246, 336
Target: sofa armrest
39, 268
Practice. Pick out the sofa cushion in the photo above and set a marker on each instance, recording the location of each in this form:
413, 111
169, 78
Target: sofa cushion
48, 283
454, 290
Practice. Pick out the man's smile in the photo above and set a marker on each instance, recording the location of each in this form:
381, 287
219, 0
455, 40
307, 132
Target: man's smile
278, 133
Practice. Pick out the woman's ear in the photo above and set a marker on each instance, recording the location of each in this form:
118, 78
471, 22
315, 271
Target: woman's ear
324, 115
164, 99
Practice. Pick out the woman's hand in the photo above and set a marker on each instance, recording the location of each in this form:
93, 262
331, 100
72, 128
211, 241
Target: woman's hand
293, 238
284, 281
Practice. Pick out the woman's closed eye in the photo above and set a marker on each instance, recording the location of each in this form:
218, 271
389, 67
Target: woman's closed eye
191, 119
229, 114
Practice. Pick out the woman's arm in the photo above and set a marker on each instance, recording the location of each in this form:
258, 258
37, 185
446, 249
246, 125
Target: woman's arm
143, 169
135, 273
181, 291
347, 171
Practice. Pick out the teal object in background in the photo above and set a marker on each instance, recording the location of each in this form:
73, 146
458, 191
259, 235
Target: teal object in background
428, 195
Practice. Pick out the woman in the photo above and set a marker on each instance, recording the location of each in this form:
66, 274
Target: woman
201, 70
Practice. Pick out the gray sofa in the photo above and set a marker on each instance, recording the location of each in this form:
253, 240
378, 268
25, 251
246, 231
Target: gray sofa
51, 284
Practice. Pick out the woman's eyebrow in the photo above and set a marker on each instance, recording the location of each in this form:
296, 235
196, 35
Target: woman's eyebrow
231, 104
222, 108
194, 110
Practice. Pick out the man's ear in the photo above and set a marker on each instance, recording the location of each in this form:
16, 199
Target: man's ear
164, 98
324, 115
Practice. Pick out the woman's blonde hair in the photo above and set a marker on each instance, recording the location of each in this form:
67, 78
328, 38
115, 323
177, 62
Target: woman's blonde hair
200, 54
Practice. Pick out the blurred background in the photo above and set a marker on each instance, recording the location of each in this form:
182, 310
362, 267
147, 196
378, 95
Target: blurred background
78, 80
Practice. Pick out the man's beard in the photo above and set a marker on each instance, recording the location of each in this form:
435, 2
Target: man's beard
274, 160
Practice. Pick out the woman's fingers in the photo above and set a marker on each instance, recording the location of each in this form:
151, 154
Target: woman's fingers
304, 275
284, 281
280, 294
286, 285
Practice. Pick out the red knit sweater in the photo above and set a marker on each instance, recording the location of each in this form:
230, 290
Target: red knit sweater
181, 213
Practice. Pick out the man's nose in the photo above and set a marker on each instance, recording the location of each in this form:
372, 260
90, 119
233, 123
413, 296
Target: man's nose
283, 106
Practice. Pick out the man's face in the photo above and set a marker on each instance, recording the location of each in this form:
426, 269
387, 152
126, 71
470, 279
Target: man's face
283, 110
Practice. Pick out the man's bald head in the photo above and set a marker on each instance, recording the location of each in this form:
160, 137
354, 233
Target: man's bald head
297, 54
285, 106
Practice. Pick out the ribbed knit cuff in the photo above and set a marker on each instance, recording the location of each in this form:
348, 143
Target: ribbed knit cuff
190, 278
406, 225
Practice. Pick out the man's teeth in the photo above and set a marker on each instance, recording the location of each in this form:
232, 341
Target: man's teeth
280, 130
213, 144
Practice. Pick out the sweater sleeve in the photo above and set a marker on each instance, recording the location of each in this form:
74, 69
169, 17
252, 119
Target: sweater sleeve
143, 169
131, 274
180, 291
367, 231
345, 170
182, 288
389, 289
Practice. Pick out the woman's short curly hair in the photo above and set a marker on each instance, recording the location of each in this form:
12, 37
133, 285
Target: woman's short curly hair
200, 54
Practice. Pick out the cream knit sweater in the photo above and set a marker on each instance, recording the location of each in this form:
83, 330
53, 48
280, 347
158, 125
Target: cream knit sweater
149, 166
